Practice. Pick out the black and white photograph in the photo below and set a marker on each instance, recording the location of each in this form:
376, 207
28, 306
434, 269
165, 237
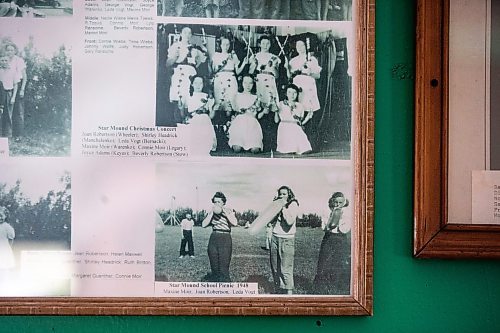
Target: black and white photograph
36, 101
35, 229
36, 8
318, 10
260, 91
255, 225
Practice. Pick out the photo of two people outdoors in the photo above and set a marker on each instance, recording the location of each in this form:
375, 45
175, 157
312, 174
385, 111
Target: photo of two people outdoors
36, 91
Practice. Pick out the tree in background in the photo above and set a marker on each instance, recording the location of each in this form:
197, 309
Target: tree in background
48, 92
47, 219
47, 102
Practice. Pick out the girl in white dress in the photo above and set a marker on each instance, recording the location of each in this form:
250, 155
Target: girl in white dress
184, 58
199, 119
245, 132
265, 65
291, 136
225, 67
304, 70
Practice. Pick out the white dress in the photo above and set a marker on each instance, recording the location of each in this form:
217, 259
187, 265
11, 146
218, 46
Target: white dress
184, 68
225, 84
267, 73
309, 95
291, 136
6, 255
203, 138
245, 130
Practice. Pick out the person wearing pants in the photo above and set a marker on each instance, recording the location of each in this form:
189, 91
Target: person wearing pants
220, 244
187, 237
282, 253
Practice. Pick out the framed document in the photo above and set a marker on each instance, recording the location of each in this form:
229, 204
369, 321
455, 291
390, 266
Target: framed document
187, 157
456, 151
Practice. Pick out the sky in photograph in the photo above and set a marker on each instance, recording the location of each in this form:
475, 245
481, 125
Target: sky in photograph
48, 35
250, 185
36, 181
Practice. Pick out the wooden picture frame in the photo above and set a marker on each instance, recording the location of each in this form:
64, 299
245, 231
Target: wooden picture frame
360, 300
434, 236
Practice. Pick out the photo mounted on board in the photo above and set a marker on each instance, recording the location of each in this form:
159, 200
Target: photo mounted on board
261, 91
226, 229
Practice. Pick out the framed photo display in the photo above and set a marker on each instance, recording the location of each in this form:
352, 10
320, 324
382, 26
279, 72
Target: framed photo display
187, 157
456, 151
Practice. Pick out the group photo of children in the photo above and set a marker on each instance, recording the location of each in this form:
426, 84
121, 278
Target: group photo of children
288, 234
332, 10
263, 91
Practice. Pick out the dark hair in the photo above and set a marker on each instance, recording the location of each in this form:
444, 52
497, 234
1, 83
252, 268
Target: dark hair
240, 82
294, 87
264, 37
291, 195
219, 195
219, 43
192, 78
10, 43
335, 196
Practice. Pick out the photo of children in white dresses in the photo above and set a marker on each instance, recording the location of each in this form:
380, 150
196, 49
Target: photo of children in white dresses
262, 91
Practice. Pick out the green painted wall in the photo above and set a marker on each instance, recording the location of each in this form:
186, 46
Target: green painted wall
410, 295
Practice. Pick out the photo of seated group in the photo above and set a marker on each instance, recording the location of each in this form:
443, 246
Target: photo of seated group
282, 233
263, 91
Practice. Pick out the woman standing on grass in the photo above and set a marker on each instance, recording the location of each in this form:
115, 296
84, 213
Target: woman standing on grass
18, 65
282, 253
333, 272
220, 244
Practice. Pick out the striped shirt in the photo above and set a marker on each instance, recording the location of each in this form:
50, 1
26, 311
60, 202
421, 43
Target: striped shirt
220, 222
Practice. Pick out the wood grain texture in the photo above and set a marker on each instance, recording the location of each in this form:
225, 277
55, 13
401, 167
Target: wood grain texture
361, 300
433, 236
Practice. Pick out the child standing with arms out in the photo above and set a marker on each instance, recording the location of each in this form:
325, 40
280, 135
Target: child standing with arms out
8, 94
200, 109
290, 115
245, 132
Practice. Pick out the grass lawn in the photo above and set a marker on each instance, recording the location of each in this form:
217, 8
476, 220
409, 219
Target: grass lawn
249, 263
41, 143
